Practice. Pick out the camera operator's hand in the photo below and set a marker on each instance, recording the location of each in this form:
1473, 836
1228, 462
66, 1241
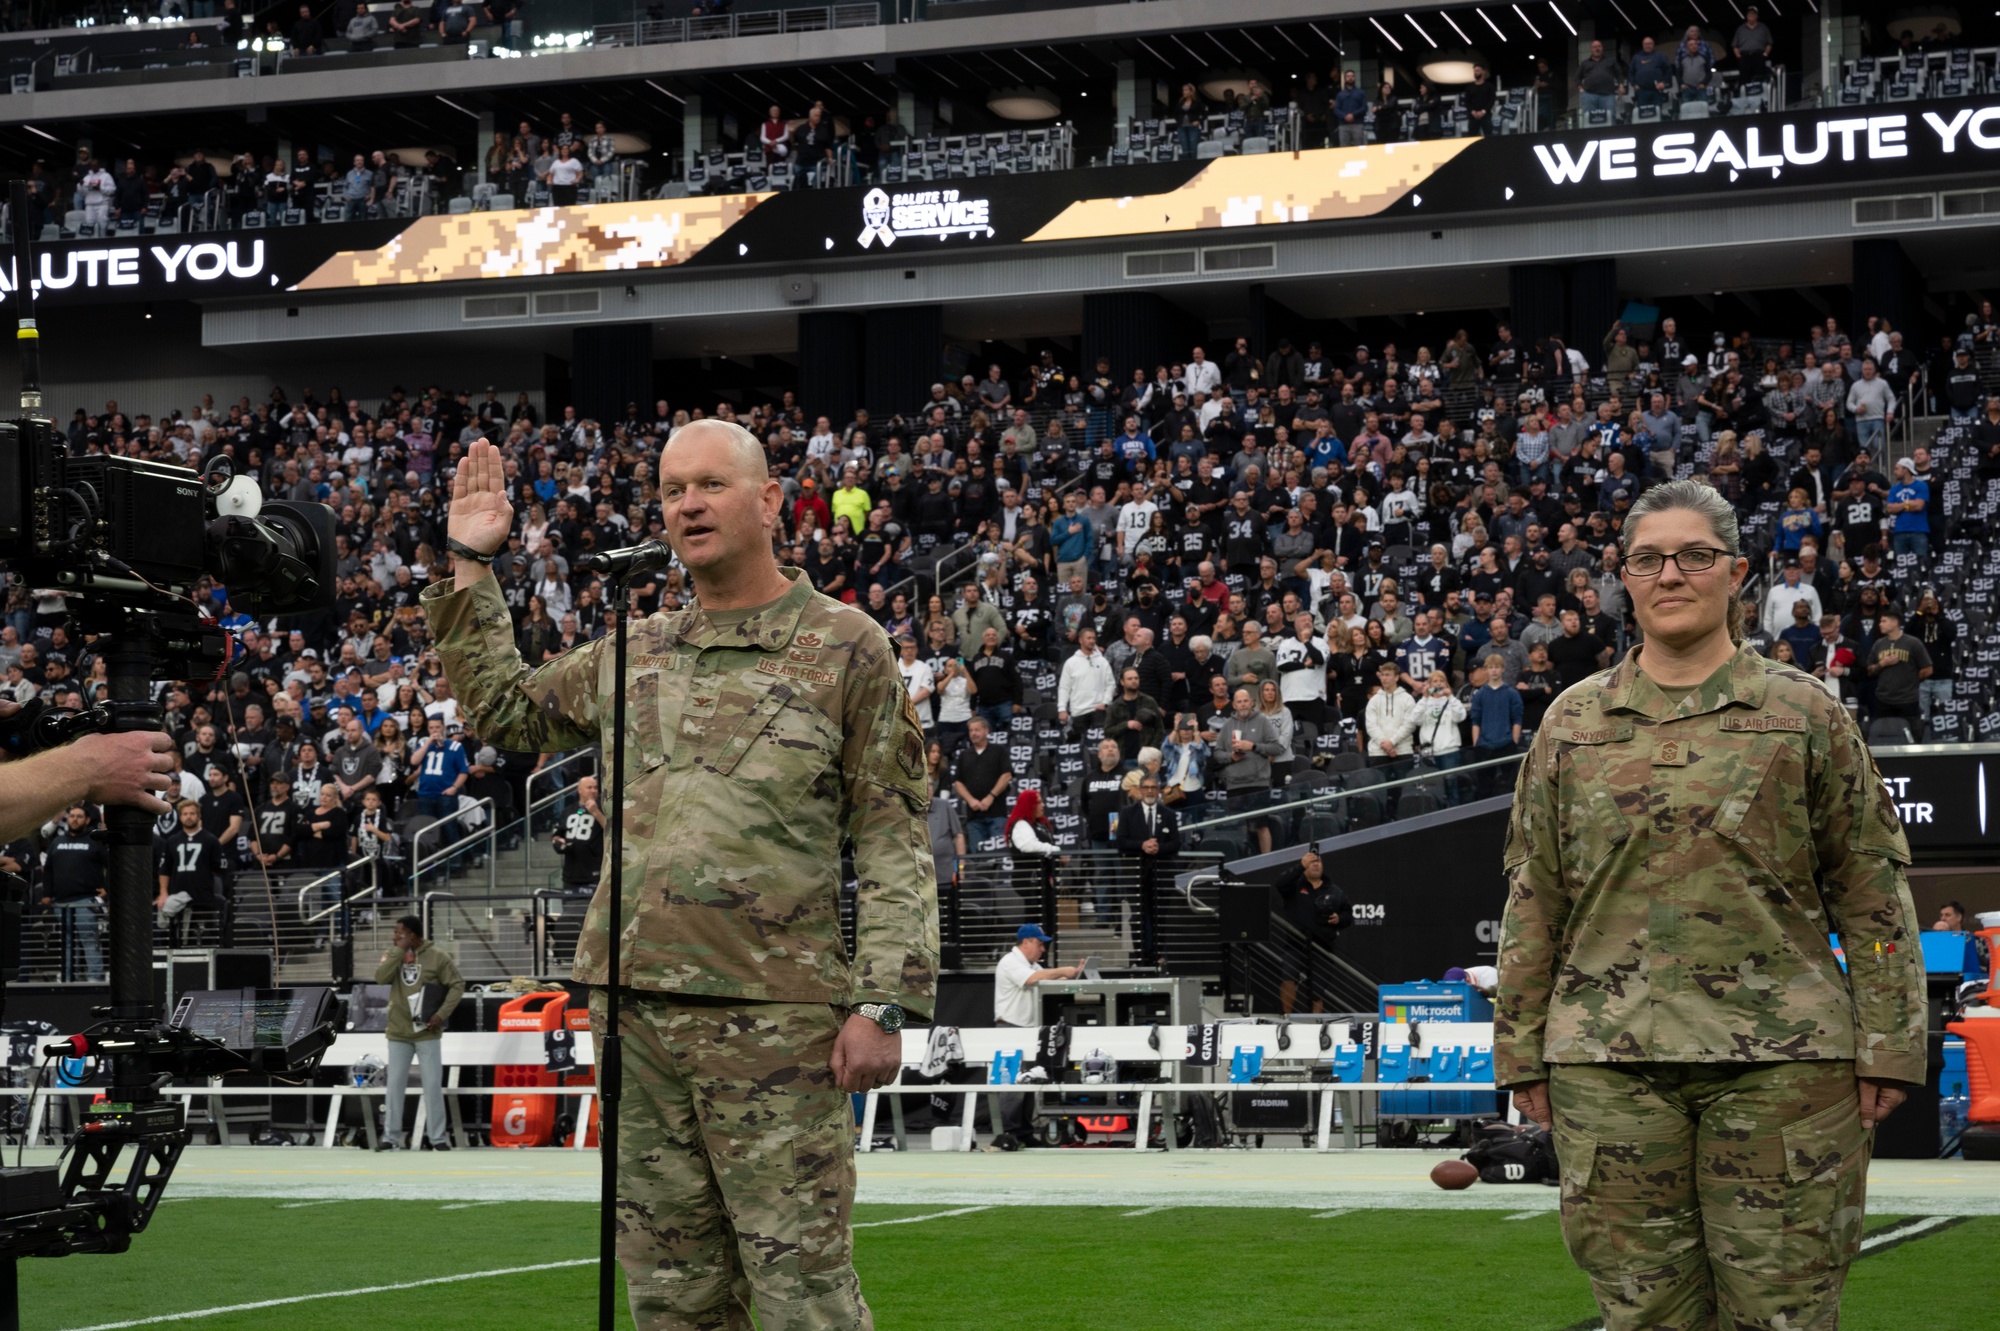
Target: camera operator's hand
481, 517
108, 769
126, 768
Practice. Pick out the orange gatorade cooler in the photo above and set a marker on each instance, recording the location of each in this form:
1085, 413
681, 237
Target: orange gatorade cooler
527, 1120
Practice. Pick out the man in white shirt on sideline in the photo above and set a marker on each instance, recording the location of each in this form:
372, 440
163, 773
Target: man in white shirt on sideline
1087, 684
1019, 972
1014, 980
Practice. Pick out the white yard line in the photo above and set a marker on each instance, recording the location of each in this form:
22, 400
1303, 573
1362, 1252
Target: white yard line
1328, 1215
1527, 1215
905, 1220
334, 1294
1908, 1229
297, 1206
467, 1206
1147, 1210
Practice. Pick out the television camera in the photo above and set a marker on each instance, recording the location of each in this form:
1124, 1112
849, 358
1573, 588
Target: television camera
127, 541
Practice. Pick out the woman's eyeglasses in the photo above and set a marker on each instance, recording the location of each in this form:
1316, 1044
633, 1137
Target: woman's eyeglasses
1648, 564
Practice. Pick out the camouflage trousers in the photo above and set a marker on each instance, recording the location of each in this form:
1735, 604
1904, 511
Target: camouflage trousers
735, 1166
1702, 1195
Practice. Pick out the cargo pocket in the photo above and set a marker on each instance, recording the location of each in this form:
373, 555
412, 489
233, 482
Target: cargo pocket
822, 1173
1627, 1207
1826, 1176
1787, 1204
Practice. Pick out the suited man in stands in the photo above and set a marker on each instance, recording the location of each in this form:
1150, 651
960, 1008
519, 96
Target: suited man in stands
1147, 828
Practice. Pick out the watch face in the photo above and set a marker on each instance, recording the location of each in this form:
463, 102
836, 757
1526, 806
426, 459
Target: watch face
891, 1018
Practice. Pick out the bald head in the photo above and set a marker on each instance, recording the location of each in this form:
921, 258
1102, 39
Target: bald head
745, 454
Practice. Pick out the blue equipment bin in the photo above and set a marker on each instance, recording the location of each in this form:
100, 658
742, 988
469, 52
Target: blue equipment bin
1433, 1000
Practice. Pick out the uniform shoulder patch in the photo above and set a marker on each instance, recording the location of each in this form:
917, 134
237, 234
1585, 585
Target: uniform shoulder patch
1763, 724
912, 756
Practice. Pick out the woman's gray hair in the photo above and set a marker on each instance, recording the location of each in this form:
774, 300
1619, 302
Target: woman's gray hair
1696, 498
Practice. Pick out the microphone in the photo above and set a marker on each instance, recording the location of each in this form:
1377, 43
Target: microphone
630, 562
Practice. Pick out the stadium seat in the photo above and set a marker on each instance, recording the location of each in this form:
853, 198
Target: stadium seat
500, 203
1890, 730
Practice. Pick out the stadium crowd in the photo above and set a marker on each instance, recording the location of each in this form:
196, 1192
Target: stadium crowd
1214, 575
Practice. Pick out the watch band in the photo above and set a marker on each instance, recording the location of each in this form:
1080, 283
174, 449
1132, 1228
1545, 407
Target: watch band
464, 551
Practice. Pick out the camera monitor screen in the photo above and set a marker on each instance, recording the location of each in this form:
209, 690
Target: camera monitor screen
254, 1019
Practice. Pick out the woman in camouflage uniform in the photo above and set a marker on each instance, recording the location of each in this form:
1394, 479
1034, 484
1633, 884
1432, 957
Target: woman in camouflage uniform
1689, 827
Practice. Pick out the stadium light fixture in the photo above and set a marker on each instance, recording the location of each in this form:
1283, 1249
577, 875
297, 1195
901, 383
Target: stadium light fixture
1491, 24
1024, 103
1385, 32
1530, 22
1420, 30
1453, 65
1219, 83
1564, 17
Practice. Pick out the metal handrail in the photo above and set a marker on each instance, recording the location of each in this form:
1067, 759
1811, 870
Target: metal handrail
331, 875
1331, 794
373, 889
488, 834
1187, 892
749, 23
588, 751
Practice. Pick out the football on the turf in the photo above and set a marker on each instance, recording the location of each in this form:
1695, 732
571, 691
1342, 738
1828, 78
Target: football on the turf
1452, 1175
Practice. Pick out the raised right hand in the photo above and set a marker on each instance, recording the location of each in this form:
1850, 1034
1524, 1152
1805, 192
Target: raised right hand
481, 517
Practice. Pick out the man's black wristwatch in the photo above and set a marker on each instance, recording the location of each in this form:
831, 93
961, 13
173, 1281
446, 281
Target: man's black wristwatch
886, 1015
464, 551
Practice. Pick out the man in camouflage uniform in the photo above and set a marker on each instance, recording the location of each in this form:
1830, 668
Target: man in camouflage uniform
764, 727
1681, 847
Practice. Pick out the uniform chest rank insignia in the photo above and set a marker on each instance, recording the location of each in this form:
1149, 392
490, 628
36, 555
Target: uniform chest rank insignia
802, 655
809, 639
1670, 753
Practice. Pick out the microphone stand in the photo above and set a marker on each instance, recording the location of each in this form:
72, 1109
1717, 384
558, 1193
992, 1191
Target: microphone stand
610, 1057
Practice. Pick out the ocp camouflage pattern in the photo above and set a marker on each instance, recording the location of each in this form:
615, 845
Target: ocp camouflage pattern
1691, 1190
735, 1166
1674, 870
752, 749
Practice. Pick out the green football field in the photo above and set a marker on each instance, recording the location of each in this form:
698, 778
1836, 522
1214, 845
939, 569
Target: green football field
928, 1268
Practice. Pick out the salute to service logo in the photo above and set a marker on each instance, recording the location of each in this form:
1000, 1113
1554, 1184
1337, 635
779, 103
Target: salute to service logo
937, 212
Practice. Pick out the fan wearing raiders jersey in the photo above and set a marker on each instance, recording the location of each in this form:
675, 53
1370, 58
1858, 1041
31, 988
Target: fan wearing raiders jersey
1100, 792
1191, 545
189, 864
579, 839
1857, 516
275, 825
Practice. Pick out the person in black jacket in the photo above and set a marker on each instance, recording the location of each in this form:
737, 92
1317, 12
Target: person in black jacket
74, 867
997, 681
1147, 828
1317, 910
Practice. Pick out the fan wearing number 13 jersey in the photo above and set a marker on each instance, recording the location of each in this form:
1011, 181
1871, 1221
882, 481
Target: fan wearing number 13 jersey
579, 839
